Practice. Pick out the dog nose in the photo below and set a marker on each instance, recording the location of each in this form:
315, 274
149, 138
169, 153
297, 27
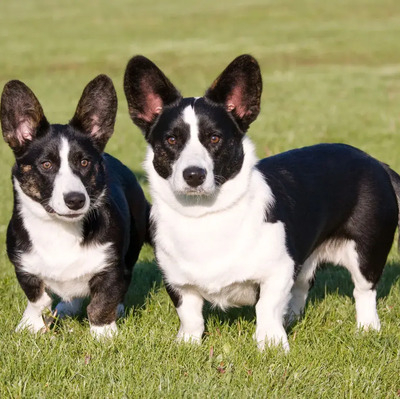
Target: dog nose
194, 176
74, 200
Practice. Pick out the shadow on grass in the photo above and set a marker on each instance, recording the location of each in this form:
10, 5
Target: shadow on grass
146, 278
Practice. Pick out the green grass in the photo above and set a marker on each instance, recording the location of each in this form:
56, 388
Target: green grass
331, 73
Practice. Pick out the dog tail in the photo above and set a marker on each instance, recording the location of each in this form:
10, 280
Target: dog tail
395, 180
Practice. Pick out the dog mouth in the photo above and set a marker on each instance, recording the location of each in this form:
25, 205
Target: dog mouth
195, 192
50, 210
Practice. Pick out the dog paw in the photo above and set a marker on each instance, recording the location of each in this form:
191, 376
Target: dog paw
193, 338
33, 325
273, 341
105, 331
374, 325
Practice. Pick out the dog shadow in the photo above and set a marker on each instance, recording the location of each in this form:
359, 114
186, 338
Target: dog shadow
146, 278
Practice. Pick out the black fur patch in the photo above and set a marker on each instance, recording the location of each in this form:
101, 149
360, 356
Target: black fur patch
228, 153
331, 192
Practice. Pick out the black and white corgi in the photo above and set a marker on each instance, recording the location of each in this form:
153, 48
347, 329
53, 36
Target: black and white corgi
80, 216
236, 231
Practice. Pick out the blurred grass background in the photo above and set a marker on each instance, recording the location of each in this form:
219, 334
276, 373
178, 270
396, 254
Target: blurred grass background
331, 73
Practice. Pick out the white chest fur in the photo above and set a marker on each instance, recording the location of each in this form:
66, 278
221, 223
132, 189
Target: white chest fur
57, 255
216, 250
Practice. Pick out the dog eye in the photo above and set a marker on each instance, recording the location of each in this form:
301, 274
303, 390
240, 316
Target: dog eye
215, 139
171, 140
84, 163
47, 165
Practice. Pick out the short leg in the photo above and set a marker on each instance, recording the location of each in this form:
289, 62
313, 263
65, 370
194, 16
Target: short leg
270, 310
69, 309
364, 290
32, 318
298, 300
367, 316
301, 287
189, 306
107, 291
38, 301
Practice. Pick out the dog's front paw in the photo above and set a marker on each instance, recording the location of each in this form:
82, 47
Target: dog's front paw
32, 324
192, 337
368, 325
105, 331
273, 340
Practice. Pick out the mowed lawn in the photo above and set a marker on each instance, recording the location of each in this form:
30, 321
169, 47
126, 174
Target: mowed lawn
331, 73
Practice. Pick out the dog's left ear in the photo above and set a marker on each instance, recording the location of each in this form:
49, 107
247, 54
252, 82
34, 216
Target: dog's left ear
238, 89
96, 110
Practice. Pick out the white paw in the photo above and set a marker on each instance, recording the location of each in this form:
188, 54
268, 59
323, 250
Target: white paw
274, 340
105, 331
369, 325
193, 338
273, 343
33, 325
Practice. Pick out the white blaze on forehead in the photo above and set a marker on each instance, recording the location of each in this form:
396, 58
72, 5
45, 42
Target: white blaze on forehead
193, 154
66, 182
190, 118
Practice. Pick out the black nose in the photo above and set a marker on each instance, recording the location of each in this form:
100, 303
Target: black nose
74, 200
194, 176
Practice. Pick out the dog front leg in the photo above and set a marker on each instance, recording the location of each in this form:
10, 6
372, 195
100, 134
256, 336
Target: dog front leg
189, 306
270, 310
38, 301
107, 291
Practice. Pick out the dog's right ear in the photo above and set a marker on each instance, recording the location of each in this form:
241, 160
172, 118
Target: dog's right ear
147, 91
22, 117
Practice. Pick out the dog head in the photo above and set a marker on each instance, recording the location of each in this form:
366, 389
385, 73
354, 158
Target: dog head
59, 169
196, 143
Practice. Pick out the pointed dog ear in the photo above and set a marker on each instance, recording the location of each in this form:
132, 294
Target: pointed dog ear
96, 111
147, 91
22, 117
238, 89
